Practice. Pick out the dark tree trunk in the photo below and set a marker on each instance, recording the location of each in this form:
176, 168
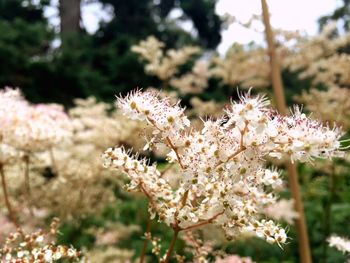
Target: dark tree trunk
70, 16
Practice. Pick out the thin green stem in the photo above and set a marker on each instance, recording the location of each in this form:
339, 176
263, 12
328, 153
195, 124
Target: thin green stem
328, 211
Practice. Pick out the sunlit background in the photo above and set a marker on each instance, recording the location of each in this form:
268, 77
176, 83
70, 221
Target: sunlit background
289, 15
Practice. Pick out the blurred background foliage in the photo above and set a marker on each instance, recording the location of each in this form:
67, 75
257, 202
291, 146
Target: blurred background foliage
91, 64
95, 64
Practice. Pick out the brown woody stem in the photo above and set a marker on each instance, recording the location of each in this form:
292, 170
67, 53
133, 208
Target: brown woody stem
175, 150
26, 174
145, 242
277, 85
6, 196
172, 245
202, 223
27, 183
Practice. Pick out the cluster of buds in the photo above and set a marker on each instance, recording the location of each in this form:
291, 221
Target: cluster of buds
199, 248
36, 247
155, 242
223, 178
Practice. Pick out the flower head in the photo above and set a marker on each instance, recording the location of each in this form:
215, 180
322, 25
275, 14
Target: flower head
223, 178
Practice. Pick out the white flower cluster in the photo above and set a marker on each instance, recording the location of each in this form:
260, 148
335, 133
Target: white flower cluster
307, 51
340, 243
159, 63
7, 153
28, 127
302, 138
243, 67
283, 209
36, 247
330, 105
224, 181
146, 106
195, 81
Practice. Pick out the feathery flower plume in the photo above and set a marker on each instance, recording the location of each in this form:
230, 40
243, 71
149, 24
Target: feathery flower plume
224, 179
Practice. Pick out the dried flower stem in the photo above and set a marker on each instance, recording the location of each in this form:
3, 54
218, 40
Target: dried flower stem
300, 223
304, 248
27, 183
274, 62
26, 174
53, 160
7, 201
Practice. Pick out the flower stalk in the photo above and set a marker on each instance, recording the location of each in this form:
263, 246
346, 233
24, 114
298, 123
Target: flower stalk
6, 196
172, 245
145, 242
304, 247
26, 175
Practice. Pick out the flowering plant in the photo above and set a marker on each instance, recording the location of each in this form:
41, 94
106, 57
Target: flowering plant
36, 247
224, 181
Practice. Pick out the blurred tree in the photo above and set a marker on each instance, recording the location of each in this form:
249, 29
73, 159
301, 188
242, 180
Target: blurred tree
100, 64
107, 55
207, 23
11, 10
142, 18
341, 13
24, 42
69, 16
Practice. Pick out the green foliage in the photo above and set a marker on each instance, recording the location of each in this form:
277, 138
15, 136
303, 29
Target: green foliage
24, 43
12, 9
341, 13
101, 64
207, 23
142, 18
